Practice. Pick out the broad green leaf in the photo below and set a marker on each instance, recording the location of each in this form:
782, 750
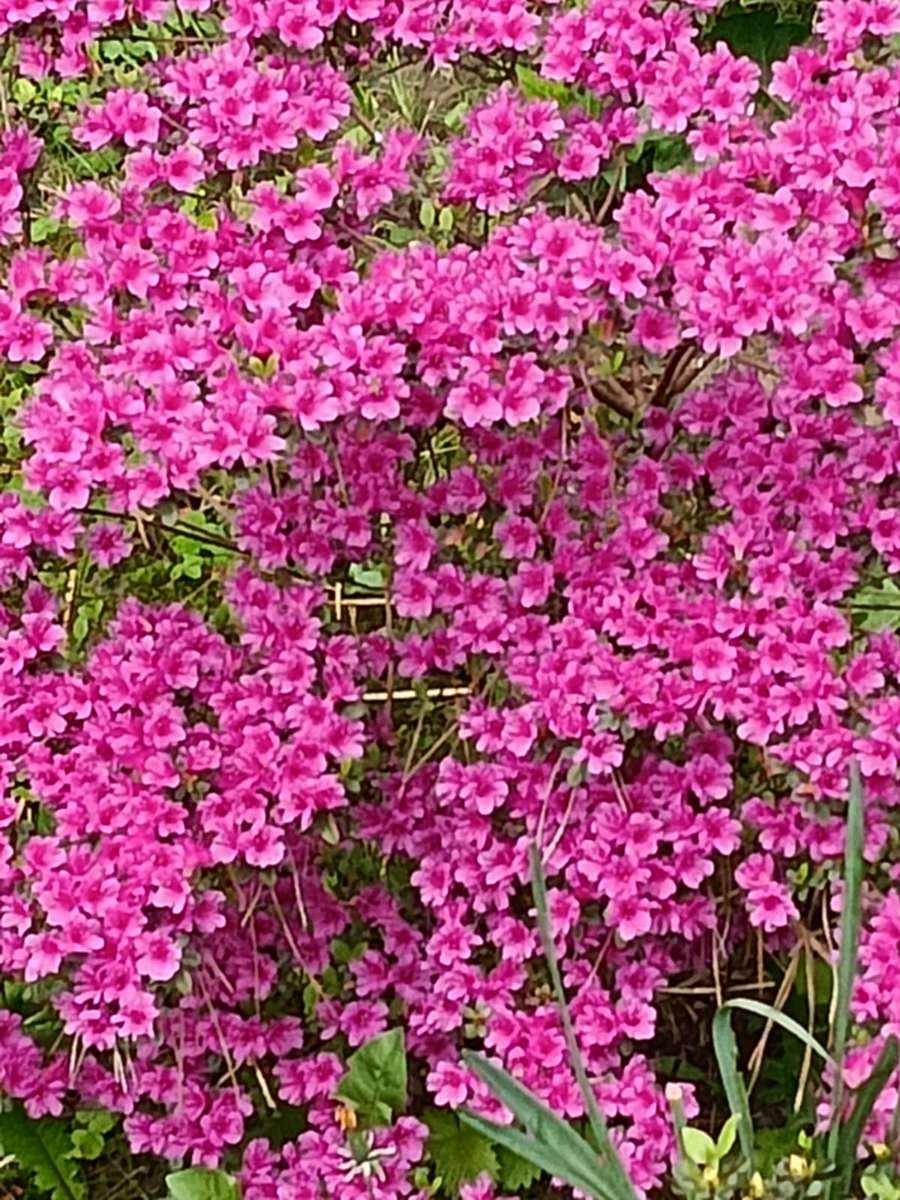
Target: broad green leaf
536, 1118
369, 577
880, 1186
400, 235
43, 228
87, 1143
42, 1148
759, 34
97, 1119
517, 1174
698, 1146
375, 1083
671, 152
201, 1183
427, 213
186, 546
458, 1152
548, 1156
877, 607
23, 92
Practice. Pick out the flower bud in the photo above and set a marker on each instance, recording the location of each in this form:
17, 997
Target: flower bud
798, 1167
345, 1117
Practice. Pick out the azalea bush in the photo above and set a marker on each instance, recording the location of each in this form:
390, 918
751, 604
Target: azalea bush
429, 431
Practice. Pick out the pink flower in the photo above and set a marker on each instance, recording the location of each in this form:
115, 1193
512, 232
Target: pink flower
771, 907
629, 917
713, 661
450, 1084
158, 957
108, 544
183, 168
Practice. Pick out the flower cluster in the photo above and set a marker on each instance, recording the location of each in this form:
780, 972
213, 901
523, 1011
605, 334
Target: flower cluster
548, 523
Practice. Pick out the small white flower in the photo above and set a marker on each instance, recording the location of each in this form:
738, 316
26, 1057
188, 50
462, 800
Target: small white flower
367, 1164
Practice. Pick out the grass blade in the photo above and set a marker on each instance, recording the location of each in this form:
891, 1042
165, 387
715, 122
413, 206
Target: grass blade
595, 1117
725, 1047
779, 1018
851, 1132
535, 1117
851, 906
553, 1160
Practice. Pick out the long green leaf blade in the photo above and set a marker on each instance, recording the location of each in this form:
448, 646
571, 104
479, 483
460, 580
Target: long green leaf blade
851, 916
851, 1132
551, 1159
725, 1047
596, 1119
536, 1118
779, 1018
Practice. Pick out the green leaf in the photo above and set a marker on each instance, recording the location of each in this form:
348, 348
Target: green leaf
344, 953
725, 1048
456, 116
851, 1133
772, 1146
576, 775
760, 34
880, 1186
878, 607
851, 917
43, 228
87, 1143
427, 213
87, 617
726, 1137
186, 547
552, 1159
97, 1119
517, 1174
200, 1183
42, 1148
375, 1083
369, 577
536, 87
23, 92
546, 1129
459, 1153
779, 1018
400, 235
671, 152
698, 1146
620, 1182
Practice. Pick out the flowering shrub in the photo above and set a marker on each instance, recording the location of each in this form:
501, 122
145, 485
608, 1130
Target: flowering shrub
433, 428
